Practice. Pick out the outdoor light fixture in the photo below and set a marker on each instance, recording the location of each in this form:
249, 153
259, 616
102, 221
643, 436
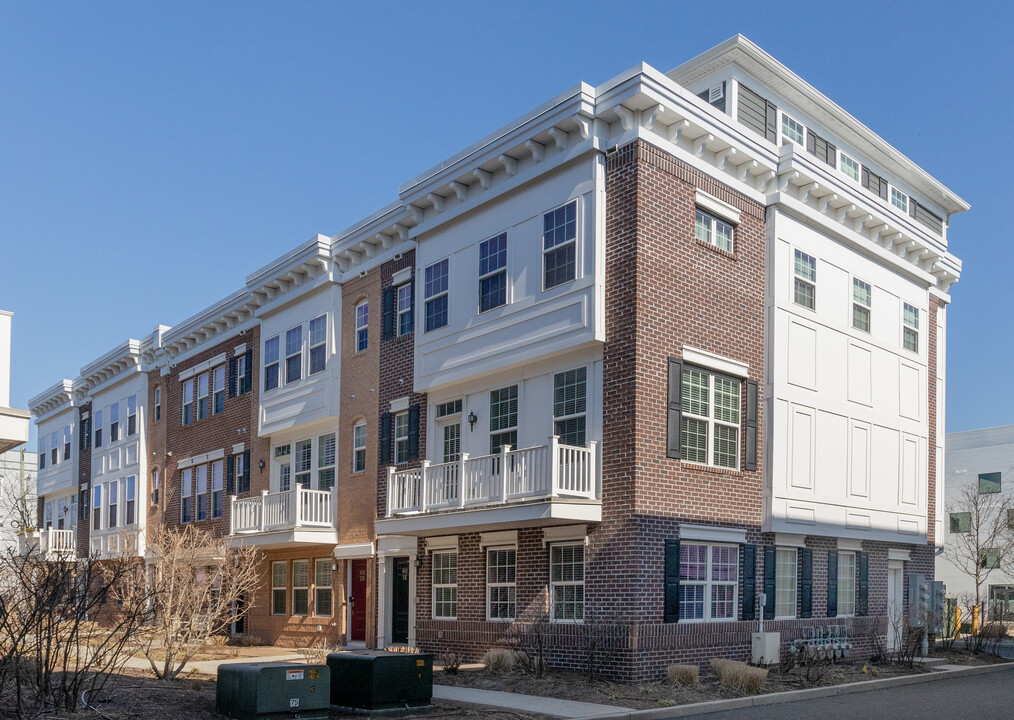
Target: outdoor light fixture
261, 465
418, 562
472, 420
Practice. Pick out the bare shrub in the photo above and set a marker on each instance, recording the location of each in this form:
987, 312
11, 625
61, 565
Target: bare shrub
498, 661
684, 675
316, 653
529, 639
739, 675
450, 661
218, 640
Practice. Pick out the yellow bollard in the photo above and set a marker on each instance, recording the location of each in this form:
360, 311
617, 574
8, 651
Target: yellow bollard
957, 622
975, 620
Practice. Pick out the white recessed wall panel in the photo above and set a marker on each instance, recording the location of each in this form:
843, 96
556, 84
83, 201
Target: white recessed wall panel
859, 462
832, 457
802, 355
802, 448
860, 374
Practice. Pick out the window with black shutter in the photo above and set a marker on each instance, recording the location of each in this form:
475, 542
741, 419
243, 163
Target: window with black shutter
862, 584
413, 432
671, 611
769, 582
384, 455
749, 581
805, 582
387, 314
832, 583
821, 148
673, 412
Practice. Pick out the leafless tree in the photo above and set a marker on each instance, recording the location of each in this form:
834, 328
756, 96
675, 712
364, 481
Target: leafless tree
195, 584
17, 500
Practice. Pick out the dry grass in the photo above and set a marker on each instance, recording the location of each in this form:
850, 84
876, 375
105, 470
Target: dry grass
498, 661
684, 675
739, 675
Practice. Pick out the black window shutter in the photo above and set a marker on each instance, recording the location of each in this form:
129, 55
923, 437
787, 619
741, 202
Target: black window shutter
832, 155
749, 581
413, 432
671, 612
832, 583
883, 188
232, 377
811, 143
769, 582
248, 378
771, 121
674, 410
862, 584
911, 206
805, 582
385, 439
387, 314
865, 177
750, 455
230, 473
246, 471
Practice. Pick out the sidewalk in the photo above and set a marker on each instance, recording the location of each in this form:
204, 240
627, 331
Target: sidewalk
210, 667
526, 703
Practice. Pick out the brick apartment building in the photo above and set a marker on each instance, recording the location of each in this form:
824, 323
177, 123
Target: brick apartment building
647, 351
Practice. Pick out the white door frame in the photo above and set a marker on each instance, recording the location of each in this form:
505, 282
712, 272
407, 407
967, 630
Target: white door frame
389, 547
895, 602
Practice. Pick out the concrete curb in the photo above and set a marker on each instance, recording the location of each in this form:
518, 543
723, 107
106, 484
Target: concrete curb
792, 696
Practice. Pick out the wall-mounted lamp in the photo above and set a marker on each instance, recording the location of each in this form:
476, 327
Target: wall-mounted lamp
334, 566
472, 420
261, 465
418, 562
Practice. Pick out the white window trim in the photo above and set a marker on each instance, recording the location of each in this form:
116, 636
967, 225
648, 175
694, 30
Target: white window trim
781, 129
796, 277
503, 270
904, 200
838, 584
365, 328
277, 363
398, 312
284, 588
712, 421
916, 329
841, 169
445, 292
357, 448
558, 583
287, 355
720, 209
709, 583
487, 584
201, 367
577, 245
434, 585
795, 582
400, 438
868, 308
718, 363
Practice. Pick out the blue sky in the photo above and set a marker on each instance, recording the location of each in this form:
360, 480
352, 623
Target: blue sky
153, 154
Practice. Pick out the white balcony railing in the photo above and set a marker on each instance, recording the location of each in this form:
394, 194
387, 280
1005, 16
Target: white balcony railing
50, 543
542, 472
296, 508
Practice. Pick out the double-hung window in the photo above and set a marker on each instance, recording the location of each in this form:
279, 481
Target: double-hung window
362, 326
501, 565
712, 230
435, 292
849, 166
318, 344
709, 433
899, 199
359, 447
862, 299
271, 363
188, 402
911, 328
202, 493
279, 583
445, 585
709, 582
114, 423
113, 502
793, 130
293, 354
503, 418
322, 583
42, 451
218, 389
203, 392
98, 428
158, 403
300, 587
325, 461
97, 507
242, 478
304, 463
846, 583
130, 499
217, 488
785, 583
805, 280
131, 415
401, 438
569, 406
187, 497
559, 245
448, 416
403, 299
566, 581
66, 443
55, 451
242, 372
493, 272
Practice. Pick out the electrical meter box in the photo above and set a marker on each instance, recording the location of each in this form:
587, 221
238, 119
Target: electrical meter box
380, 680
269, 690
918, 599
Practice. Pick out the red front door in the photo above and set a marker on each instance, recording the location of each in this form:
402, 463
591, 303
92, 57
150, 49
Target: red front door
357, 602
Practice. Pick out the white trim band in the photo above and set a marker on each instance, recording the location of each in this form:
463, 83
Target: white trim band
444, 542
713, 205
564, 533
201, 459
504, 537
790, 540
715, 362
354, 551
708, 533
201, 367
850, 544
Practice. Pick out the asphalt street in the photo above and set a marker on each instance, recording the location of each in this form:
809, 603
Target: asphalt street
977, 697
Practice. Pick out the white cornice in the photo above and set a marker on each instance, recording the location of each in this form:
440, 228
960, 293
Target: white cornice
52, 398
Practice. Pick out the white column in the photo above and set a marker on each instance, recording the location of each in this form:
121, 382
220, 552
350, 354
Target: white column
383, 612
411, 598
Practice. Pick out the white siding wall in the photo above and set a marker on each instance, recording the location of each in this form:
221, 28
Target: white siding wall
61, 478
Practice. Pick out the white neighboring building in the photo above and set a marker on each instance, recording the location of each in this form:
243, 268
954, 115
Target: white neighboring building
17, 480
13, 423
984, 458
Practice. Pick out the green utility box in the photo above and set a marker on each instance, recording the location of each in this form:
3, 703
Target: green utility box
380, 680
262, 691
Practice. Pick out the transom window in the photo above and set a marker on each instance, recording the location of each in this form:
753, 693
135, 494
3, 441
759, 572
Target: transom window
404, 310
501, 565
848, 166
711, 409
362, 322
493, 273
899, 199
325, 461
559, 245
785, 583
709, 582
566, 581
503, 418
401, 438
846, 583
712, 230
862, 296
359, 447
792, 130
911, 328
445, 585
271, 363
569, 406
805, 286
453, 407
293, 354
435, 291
318, 344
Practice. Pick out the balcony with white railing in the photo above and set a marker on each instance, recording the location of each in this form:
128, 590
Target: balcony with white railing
545, 483
300, 515
50, 544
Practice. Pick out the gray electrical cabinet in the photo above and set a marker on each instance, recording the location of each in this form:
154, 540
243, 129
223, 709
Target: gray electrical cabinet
938, 607
380, 680
270, 690
918, 599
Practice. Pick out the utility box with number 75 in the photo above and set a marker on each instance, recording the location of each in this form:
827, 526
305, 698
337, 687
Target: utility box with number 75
273, 690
